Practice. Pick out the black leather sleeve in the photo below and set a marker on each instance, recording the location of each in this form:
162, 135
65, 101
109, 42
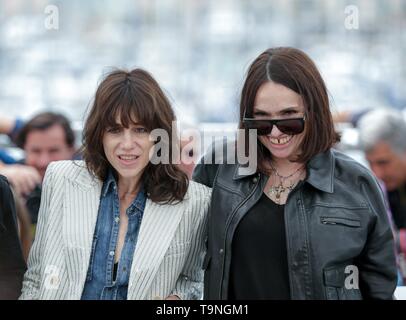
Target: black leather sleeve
12, 265
378, 270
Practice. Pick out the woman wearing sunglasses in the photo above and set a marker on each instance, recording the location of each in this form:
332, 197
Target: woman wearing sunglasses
310, 223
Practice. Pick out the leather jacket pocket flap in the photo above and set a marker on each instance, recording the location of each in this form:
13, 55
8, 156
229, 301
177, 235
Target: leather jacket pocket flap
334, 277
206, 261
340, 221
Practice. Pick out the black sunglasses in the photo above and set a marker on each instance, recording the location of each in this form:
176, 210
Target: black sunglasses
289, 126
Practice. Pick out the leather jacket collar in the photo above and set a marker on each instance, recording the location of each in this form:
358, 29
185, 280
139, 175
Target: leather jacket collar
320, 171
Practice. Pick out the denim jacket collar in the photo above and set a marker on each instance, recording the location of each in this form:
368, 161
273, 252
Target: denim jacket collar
110, 182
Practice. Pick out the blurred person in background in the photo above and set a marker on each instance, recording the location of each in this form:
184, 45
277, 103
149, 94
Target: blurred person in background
12, 265
118, 226
10, 127
46, 137
24, 224
351, 117
382, 136
23, 178
309, 214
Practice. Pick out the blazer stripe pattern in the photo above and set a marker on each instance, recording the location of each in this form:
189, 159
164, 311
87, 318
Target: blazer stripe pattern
169, 252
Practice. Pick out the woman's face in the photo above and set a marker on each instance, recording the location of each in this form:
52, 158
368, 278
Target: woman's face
127, 149
275, 101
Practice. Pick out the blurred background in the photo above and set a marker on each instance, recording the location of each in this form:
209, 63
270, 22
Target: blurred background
198, 50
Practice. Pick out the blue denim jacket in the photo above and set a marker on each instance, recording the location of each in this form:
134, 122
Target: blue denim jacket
100, 284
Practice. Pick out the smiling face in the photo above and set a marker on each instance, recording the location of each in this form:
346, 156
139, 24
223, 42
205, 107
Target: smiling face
127, 150
275, 101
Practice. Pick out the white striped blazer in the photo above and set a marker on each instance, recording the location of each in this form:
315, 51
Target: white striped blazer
169, 251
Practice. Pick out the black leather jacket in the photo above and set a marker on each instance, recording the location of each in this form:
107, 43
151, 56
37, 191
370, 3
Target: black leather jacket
12, 265
335, 219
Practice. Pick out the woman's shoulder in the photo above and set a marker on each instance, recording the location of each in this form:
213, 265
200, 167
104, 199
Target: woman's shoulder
197, 195
351, 169
198, 190
71, 169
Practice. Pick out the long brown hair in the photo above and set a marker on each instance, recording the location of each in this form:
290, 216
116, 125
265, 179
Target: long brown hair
134, 96
293, 69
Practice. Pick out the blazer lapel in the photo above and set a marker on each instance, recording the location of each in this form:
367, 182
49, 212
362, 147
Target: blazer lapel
79, 220
158, 227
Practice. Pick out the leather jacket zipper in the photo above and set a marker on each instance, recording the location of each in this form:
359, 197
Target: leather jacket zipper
228, 225
340, 221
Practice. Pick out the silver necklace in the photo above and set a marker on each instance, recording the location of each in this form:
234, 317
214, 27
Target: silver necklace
278, 190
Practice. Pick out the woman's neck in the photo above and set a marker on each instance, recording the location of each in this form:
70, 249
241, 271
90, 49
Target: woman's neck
128, 187
284, 166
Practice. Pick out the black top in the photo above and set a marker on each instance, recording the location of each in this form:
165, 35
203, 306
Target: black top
12, 265
115, 268
259, 266
397, 203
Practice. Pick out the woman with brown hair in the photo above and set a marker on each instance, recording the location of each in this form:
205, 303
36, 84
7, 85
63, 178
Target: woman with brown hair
310, 223
118, 225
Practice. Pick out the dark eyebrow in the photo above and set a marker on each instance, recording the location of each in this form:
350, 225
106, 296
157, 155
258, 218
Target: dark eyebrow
119, 125
260, 112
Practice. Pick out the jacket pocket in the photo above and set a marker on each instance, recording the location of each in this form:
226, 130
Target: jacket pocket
340, 221
89, 275
336, 288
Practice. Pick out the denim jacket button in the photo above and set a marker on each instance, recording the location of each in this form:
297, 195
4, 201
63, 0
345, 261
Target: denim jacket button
111, 253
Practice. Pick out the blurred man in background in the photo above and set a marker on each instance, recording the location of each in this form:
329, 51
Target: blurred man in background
45, 138
23, 178
382, 136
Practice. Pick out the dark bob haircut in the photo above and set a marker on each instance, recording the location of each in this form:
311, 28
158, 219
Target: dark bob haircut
293, 69
135, 97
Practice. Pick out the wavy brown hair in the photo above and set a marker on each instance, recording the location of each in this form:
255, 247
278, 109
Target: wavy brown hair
293, 69
134, 97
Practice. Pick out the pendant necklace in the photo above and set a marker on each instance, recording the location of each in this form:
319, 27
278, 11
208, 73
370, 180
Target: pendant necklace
277, 191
